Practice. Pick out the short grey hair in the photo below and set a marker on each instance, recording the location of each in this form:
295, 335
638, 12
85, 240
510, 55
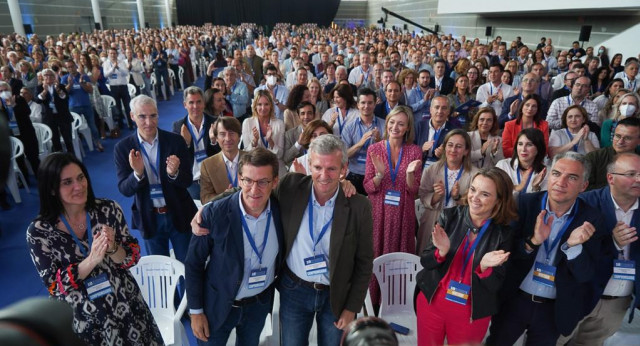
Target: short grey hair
328, 144
572, 155
3, 84
140, 101
229, 69
341, 67
192, 90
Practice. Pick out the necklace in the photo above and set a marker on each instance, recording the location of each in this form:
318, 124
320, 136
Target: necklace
74, 225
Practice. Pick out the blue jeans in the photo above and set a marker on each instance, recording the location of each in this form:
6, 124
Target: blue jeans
165, 231
298, 306
248, 321
194, 190
87, 111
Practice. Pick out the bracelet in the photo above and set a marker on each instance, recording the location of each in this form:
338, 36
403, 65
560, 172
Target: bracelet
379, 175
531, 244
114, 250
456, 198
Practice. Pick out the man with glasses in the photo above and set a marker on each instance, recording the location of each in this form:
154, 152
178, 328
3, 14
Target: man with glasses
579, 92
619, 264
155, 167
565, 90
626, 139
244, 250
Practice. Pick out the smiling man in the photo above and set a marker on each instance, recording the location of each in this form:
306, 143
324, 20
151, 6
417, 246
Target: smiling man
556, 246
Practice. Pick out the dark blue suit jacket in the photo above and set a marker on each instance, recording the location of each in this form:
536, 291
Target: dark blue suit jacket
503, 117
601, 200
214, 287
179, 202
573, 278
422, 133
208, 121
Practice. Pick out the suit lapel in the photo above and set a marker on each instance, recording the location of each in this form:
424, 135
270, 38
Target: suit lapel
338, 229
235, 227
298, 210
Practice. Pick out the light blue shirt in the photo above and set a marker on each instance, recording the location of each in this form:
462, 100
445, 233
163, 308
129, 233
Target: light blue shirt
352, 134
532, 287
418, 104
269, 254
303, 244
152, 153
239, 98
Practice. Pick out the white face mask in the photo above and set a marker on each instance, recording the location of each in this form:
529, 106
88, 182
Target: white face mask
5, 95
627, 110
271, 80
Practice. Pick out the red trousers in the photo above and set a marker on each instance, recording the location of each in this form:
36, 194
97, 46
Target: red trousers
444, 318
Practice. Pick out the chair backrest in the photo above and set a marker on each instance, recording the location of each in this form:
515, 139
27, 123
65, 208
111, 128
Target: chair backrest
396, 274
44, 135
152, 79
180, 70
132, 90
158, 277
172, 74
109, 102
77, 121
17, 148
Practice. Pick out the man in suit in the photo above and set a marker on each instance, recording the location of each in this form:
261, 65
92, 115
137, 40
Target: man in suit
293, 146
431, 130
155, 167
219, 172
392, 92
328, 248
611, 292
55, 102
510, 106
194, 128
556, 246
255, 62
235, 288
440, 81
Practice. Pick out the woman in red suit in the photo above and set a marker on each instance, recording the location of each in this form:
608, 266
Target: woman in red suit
529, 116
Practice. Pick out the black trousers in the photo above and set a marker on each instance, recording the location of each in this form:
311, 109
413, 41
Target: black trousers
121, 94
60, 126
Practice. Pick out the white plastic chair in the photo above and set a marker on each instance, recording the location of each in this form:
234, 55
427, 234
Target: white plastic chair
172, 78
132, 90
109, 103
158, 277
84, 129
396, 274
152, 83
196, 70
17, 149
44, 135
75, 138
181, 77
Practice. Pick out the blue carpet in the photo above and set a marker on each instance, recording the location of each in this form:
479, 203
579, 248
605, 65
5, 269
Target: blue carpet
18, 277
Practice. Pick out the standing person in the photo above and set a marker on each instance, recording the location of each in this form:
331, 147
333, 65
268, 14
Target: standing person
161, 70
117, 72
391, 179
78, 243
443, 183
494, 92
297, 94
556, 247
486, 149
237, 93
194, 129
155, 167
431, 130
457, 98
343, 111
293, 144
313, 130
481, 224
55, 101
234, 290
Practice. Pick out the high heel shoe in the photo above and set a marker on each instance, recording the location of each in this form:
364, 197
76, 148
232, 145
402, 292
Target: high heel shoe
99, 147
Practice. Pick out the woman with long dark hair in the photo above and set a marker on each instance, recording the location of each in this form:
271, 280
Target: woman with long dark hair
529, 116
526, 165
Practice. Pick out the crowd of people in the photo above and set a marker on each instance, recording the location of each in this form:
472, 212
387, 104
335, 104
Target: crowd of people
314, 151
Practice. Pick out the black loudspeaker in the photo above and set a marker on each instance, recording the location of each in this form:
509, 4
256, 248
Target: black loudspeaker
585, 33
146, 25
98, 26
487, 31
436, 28
28, 29
406, 27
173, 24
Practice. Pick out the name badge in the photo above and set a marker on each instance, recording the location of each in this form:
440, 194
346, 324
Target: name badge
114, 76
156, 191
362, 158
315, 265
544, 274
200, 155
458, 292
76, 86
258, 278
98, 286
392, 197
159, 63
427, 163
624, 270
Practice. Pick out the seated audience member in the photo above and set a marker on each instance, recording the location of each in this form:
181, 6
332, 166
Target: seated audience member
628, 105
569, 78
574, 134
578, 96
629, 75
292, 138
486, 146
604, 100
494, 92
529, 116
215, 104
313, 130
557, 242
526, 167
529, 86
626, 139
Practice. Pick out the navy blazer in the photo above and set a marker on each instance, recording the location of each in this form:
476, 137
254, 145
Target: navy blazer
601, 200
422, 133
62, 105
214, 287
503, 117
381, 109
573, 278
208, 147
447, 84
179, 202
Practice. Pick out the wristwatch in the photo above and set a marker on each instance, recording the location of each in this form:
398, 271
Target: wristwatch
456, 198
531, 244
379, 175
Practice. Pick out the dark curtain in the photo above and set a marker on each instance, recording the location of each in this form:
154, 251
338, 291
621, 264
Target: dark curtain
261, 12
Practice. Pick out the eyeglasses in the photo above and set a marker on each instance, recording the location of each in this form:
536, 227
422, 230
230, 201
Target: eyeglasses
618, 137
629, 175
262, 183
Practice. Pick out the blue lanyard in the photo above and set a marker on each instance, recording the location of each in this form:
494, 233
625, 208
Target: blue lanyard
387, 107
548, 248
262, 138
340, 122
436, 137
569, 100
394, 172
366, 74
575, 147
447, 193
473, 246
233, 182
632, 88
252, 242
84, 251
155, 169
324, 228
498, 88
374, 125
196, 140
234, 87
528, 179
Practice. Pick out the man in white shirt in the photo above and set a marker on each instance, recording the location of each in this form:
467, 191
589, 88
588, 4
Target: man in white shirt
36, 108
362, 76
494, 92
117, 73
629, 75
579, 92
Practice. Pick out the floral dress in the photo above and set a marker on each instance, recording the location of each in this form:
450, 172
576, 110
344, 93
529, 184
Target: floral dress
118, 318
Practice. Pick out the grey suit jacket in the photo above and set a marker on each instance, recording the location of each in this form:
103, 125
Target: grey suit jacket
290, 150
351, 243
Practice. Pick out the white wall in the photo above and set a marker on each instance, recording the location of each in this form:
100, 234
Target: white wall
474, 6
